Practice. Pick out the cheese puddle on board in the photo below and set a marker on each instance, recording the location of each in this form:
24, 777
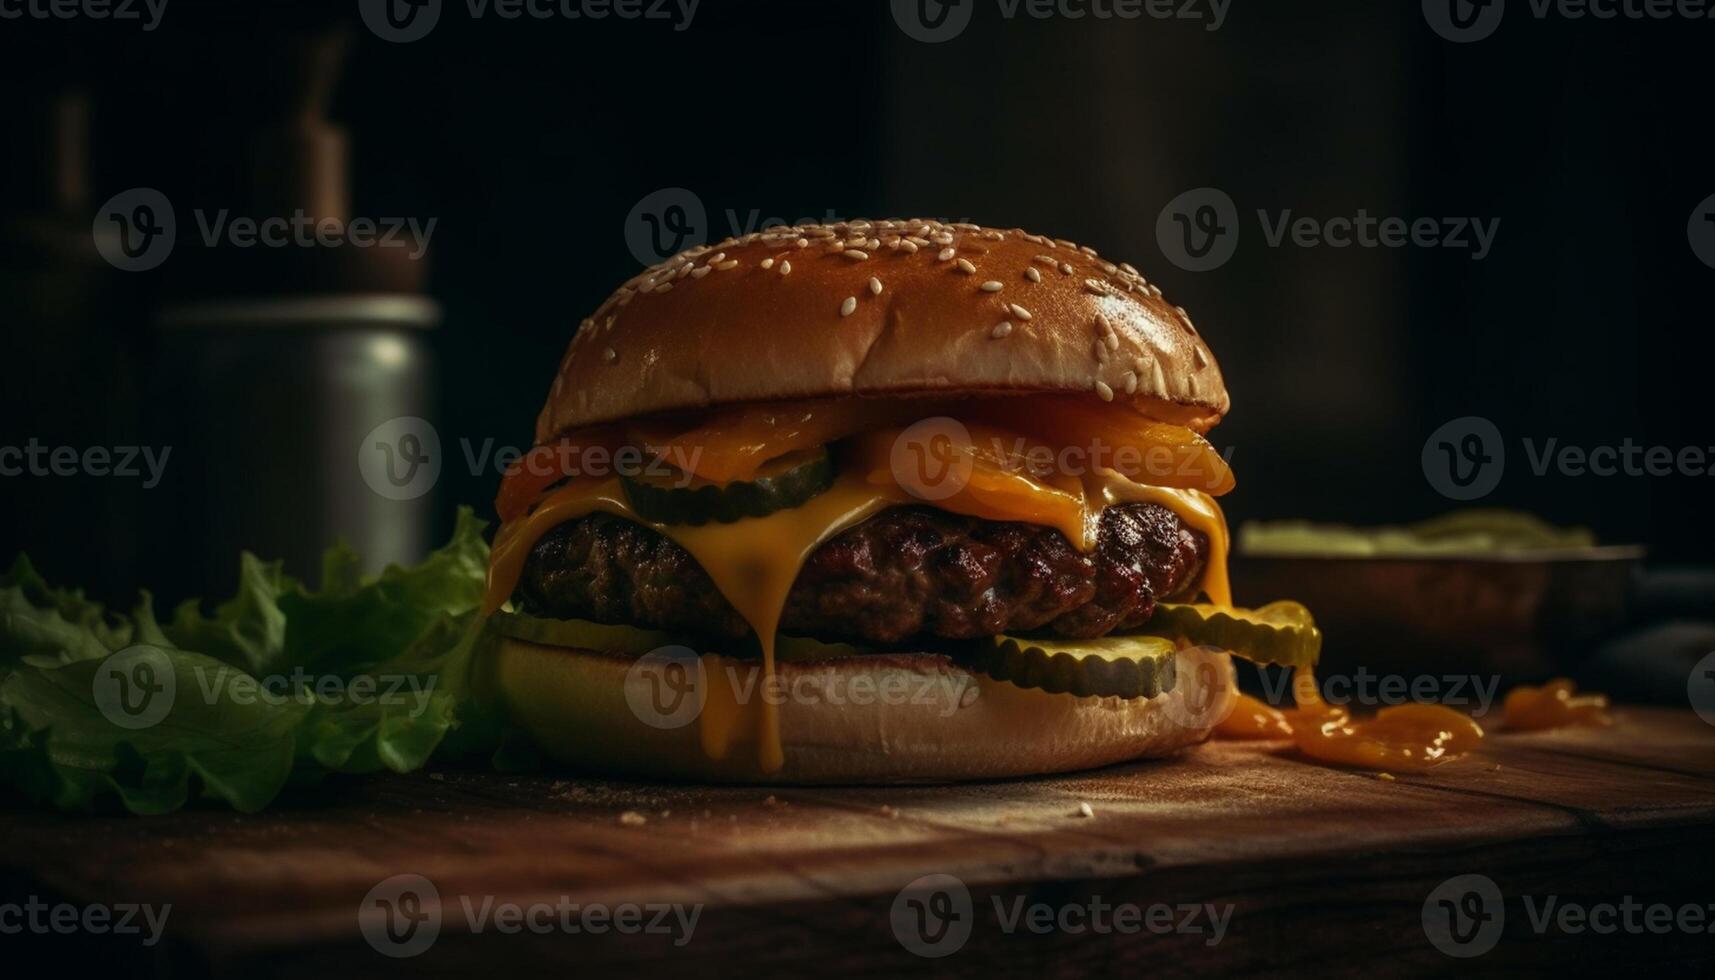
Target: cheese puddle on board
753, 562
1404, 738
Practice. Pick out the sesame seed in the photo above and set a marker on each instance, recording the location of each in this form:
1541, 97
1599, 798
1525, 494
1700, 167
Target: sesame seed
664, 287
1001, 329
1047, 260
1019, 311
1066, 268
1110, 268
700, 271
1201, 358
1112, 340
965, 266
944, 255
908, 246
873, 244
610, 355
768, 263
1191, 385
1103, 390
990, 287
1096, 286
849, 306
718, 256
857, 254
874, 286
1130, 269
942, 238
1032, 274
728, 265
786, 267
1130, 382
802, 243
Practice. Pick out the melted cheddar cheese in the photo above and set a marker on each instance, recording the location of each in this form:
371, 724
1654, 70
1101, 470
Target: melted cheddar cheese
1407, 737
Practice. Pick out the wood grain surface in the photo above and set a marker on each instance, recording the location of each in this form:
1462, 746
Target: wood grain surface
1325, 870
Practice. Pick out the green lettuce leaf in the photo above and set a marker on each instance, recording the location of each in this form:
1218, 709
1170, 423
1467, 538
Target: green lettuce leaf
62, 746
280, 685
50, 627
351, 626
248, 630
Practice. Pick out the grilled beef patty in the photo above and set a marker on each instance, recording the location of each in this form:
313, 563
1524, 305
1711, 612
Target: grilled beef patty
906, 572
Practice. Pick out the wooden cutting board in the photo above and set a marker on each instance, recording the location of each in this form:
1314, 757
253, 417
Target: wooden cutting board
1325, 870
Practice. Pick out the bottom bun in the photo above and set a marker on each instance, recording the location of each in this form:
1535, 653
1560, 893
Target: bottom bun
880, 718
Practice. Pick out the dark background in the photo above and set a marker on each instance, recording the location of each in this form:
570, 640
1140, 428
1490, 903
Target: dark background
530, 141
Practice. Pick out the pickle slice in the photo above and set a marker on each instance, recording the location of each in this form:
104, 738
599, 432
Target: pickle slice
779, 484
1107, 666
581, 634
634, 641
1279, 633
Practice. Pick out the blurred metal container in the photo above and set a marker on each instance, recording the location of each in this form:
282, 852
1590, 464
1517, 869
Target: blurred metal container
272, 408
293, 382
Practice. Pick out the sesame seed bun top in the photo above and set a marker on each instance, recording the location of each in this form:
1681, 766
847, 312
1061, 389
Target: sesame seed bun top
883, 308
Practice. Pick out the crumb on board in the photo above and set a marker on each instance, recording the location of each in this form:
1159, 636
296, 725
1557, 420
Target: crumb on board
773, 803
1386, 777
631, 818
889, 812
1085, 810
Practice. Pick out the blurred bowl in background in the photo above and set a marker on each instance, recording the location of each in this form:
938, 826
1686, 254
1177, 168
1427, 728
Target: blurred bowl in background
1523, 615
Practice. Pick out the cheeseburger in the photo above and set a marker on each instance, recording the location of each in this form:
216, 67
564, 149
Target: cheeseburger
874, 502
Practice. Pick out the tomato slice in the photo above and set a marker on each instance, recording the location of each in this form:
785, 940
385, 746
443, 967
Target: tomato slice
545, 465
1155, 453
